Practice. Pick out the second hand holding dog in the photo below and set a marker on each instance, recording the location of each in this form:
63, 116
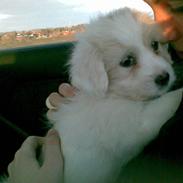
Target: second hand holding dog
25, 167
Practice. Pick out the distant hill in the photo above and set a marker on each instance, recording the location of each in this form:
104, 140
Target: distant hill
39, 36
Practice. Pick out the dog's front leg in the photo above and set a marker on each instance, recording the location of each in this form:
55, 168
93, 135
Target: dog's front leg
90, 166
159, 111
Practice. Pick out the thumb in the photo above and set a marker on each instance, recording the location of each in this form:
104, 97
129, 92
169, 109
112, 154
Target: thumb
53, 153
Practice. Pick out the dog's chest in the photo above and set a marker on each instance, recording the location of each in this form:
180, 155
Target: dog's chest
109, 124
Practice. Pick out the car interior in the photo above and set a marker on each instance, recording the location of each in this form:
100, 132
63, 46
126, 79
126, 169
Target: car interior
29, 74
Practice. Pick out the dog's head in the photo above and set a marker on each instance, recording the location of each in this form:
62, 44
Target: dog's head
120, 54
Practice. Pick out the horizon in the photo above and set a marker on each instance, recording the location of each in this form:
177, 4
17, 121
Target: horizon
32, 14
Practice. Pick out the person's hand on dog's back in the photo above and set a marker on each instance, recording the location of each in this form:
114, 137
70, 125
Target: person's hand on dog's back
25, 168
56, 98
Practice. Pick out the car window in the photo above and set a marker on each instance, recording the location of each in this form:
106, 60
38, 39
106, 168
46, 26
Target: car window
28, 22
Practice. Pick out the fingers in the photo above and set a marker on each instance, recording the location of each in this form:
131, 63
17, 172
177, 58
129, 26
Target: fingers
67, 90
55, 99
25, 166
30, 145
26, 155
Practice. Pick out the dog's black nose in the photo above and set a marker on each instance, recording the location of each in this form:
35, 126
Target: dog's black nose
162, 79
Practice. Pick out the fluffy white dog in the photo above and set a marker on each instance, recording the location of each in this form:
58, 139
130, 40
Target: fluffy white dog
119, 66
123, 74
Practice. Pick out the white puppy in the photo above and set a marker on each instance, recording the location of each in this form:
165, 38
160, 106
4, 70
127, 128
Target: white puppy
118, 66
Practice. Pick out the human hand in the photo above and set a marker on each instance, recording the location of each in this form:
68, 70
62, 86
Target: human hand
25, 168
56, 98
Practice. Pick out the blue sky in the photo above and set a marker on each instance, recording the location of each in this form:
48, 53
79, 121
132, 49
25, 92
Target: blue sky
32, 14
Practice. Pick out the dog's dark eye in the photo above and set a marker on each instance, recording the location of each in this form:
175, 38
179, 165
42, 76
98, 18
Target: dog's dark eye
128, 61
155, 46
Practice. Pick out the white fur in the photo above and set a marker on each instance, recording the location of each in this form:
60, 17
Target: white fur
113, 117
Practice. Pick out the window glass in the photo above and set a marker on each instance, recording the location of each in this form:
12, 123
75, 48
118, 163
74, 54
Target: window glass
27, 22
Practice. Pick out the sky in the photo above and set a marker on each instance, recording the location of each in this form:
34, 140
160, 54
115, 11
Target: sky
33, 14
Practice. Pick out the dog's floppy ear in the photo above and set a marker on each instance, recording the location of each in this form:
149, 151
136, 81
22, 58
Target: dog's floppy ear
87, 69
